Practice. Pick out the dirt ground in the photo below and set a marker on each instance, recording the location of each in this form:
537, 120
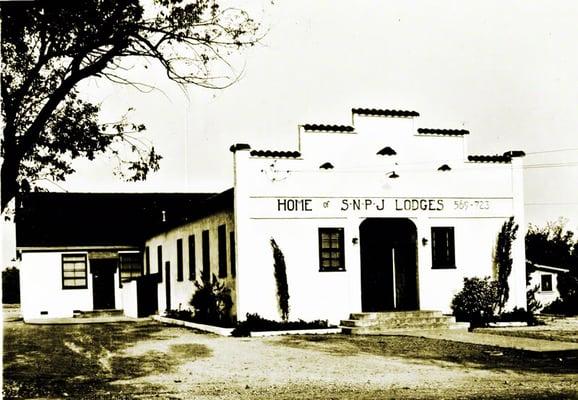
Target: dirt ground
147, 360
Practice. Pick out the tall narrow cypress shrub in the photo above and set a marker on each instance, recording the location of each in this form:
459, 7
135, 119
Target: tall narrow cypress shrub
281, 279
503, 261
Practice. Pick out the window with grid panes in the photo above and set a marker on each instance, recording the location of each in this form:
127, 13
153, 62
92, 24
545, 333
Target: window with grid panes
442, 248
74, 271
331, 249
130, 266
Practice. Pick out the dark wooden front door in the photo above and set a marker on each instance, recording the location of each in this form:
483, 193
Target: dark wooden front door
388, 264
103, 283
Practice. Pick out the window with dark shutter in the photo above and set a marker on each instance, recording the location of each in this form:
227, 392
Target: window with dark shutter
192, 259
147, 260
206, 256
179, 260
443, 248
232, 250
160, 262
222, 247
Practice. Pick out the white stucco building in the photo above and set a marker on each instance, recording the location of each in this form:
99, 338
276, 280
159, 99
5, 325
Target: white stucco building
381, 215
545, 279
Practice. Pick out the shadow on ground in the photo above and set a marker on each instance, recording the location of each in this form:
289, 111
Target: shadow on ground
73, 360
433, 350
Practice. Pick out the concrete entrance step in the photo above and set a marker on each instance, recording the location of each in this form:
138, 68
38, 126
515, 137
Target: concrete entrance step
97, 313
376, 323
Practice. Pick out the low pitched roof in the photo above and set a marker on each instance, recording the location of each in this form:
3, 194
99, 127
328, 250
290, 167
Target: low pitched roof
106, 219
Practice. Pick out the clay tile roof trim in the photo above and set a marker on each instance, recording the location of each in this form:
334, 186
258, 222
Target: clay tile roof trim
275, 153
384, 113
445, 132
328, 128
496, 158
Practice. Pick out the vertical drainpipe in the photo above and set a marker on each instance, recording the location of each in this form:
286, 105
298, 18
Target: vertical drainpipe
241, 153
517, 279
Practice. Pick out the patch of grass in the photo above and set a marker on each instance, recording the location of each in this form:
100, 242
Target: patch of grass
555, 335
432, 350
54, 360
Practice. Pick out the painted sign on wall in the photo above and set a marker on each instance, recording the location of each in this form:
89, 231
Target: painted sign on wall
325, 207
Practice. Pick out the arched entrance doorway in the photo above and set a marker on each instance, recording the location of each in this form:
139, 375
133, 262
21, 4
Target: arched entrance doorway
389, 280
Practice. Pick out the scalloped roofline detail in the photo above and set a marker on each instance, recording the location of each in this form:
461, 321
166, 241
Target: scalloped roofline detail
379, 112
443, 132
327, 128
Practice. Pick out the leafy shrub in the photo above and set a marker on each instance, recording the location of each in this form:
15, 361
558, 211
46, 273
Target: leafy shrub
533, 304
11, 286
519, 315
256, 323
556, 307
212, 302
476, 301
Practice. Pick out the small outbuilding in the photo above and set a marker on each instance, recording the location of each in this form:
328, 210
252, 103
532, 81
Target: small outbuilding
545, 279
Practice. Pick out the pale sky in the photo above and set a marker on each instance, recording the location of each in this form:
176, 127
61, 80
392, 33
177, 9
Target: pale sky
505, 70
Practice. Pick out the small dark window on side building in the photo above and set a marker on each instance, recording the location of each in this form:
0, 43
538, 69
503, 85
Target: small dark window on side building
546, 283
233, 259
147, 260
192, 259
179, 260
331, 249
442, 247
160, 262
206, 256
222, 246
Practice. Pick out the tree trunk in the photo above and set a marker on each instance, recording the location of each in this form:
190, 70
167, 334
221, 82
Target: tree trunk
9, 173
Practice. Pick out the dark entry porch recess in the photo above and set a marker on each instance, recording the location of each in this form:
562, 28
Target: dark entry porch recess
389, 278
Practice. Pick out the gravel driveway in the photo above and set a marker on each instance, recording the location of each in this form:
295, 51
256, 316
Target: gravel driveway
146, 360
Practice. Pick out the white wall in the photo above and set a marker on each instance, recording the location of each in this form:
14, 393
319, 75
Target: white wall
181, 292
543, 296
492, 192
129, 299
41, 287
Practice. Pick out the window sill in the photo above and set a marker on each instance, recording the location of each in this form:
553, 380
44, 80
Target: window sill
445, 267
75, 288
331, 269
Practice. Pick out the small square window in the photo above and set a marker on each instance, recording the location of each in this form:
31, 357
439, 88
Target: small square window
546, 283
74, 275
331, 249
443, 247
